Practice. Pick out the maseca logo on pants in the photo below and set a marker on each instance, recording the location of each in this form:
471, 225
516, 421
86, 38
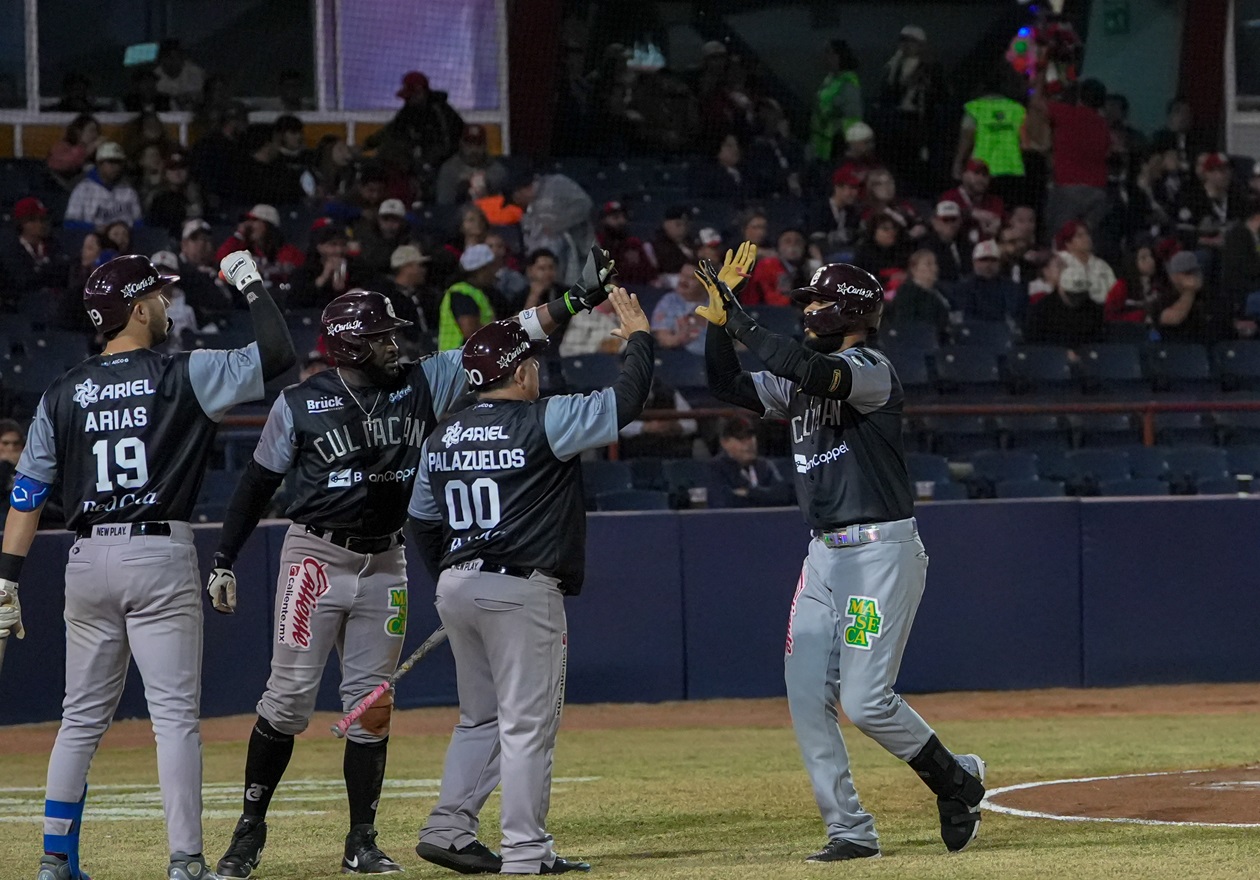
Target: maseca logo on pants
308, 580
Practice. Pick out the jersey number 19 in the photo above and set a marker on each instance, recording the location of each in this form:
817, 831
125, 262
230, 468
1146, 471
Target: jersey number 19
129, 456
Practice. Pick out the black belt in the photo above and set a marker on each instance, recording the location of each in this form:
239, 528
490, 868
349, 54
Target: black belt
356, 543
140, 528
510, 570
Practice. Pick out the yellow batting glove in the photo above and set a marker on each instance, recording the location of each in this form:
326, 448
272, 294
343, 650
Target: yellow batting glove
737, 267
714, 311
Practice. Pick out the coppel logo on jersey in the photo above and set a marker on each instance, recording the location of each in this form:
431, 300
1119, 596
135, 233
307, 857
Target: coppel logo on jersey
805, 465
344, 479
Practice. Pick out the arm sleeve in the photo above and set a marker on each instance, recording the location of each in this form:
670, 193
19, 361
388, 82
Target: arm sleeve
727, 381
445, 374
635, 382
250, 499
277, 447
39, 459
222, 379
427, 535
577, 422
275, 346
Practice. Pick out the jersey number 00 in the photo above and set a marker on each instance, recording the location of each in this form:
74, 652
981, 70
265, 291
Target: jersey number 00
477, 503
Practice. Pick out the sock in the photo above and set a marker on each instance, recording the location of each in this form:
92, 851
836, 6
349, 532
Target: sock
269, 753
62, 820
364, 768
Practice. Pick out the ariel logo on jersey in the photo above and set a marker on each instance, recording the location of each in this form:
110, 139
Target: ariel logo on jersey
324, 404
867, 622
457, 433
308, 581
86, 393
397, 625
89, 392
451, 435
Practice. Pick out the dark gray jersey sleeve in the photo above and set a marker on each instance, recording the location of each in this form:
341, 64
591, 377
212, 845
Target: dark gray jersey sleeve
39, 458
445, 374
423, 505
872, 380
277, 447
222, 379
577, 422
775, 393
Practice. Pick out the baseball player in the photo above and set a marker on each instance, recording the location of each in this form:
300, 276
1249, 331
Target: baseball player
864, 574
127, 433
351, 439
502, 478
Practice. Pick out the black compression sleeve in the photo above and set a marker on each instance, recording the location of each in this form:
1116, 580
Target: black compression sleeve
428, 537
814, 372
727, 380
248, 502
274, 343
562, 310
635, 382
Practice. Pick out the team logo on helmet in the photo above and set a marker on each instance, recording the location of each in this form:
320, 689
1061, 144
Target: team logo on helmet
86, 393
344, 326
505, 360
451, 435
817, 274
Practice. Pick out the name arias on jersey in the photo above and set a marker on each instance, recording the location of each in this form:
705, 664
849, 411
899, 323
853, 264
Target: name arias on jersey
88, 393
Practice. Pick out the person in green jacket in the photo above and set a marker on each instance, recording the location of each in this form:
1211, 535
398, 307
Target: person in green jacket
838, 103
465, 306
991, 130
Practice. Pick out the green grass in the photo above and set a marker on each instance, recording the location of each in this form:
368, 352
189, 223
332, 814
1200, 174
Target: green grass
720, 803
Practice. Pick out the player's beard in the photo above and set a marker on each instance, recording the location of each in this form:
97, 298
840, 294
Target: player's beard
824, 344
161, 334
383, 376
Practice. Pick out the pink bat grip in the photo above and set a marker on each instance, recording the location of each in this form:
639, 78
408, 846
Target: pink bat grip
339, 729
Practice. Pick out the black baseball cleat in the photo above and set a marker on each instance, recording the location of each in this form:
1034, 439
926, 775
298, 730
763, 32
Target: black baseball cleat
363, 856
563, 866
245, 851
472, 858
960, 816
838, 850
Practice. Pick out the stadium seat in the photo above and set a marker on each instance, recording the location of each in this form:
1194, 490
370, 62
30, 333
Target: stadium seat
945, 490
1178, 366
1237, 427
784, 320
997, 466
588, 372
1243, 460
1216, 486
1197, 462
1127, 333
605, 476
682, 474
1041, 368
992, 335
647, 473
66, 348
1146, 462
1113, 368
1033, 488
1089, 468
959, 435
1052, 463
928, 468
681, 369
966, 368
632, 499
1183, 428
911, 366
921, 336
1135, 487
305, 328
1033, 432
1105, 429
216, 491
1238, 364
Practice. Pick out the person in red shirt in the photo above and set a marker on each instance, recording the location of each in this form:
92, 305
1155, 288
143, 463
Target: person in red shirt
983, 212
774, 278
1081, 144
859, 157
259, 233
1133, 297
635, 262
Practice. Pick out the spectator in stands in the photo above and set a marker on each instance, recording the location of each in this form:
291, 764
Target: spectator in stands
1240, 260
471, 173
30, 261
740, 477
262, 176
1180, 135
838, 103
1023, 220
214, 105
144, 96
1082, 142
953, 255
840, 215
661, 438
325, 273
76, 94
540, 271
754, 226
118, 237
1019, 264
1138, 206
725, 177
774, 277
1132, 297
1181, 312
178, 78
198, 274
67, 156
913, 95
881, 198
378, 237
414, 300
291, 94
148, 170
315, 363
12, 442
1067, 316
104, 197
883, 250
290, 136
673, 245
775, 158
590, 332
177, 198
259, 233
466, 306
69, 308
859, 157
982, 211
473, 230
675, 323
709, 244
1166, 178
1127, 143
143, 130
990, 134
506, 208
1075, 247
1209, 203
365, 199
509, 283
215, 158
985, 295
422, 135
635, 261
558, 217
333, 168
918, 299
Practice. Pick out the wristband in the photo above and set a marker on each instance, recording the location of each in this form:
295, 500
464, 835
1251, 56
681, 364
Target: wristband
11, 566
569, 302
531, 323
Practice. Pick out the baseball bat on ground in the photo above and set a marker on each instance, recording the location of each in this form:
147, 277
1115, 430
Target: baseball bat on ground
339, 729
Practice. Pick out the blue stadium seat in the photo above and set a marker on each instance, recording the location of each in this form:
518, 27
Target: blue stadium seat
945, 490
1052, 463
911, 366
682, 474
1112, 368
681, 369
921, 336
1141, 486
966, 368
784, 320
1178, 366
1105, 429
959, 435
1237, 427
1033, 432
647, 473
1216, 486
632, 499
605, 476
992, 335
1190, 464
1041, 368
1243, 459
1033, 488
65, 348
1238, 364
926, 467
1089, 468
1183, 428
1127, 333
588, 372
305, 328
997, 466
1146, 462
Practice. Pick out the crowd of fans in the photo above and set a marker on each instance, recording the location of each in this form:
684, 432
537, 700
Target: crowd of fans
1046, 212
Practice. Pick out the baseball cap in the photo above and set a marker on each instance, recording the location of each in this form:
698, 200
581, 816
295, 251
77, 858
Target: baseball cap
1065, 234
858, 131
404, 254
476, 257
1184, 262
324, 230
194, 227
985, 250
914, 32
413, 81
265, 213
612, 207
979, 166
709, 236
677, 212
948, 209
392, 208
711, 48
165, 260
1213, 161
846, 176
27, 208
110, 152
474, 134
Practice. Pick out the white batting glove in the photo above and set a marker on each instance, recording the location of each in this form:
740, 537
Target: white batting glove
10, 610
240, 270
222, 590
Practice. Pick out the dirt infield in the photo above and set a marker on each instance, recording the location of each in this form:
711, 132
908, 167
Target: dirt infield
1196, 699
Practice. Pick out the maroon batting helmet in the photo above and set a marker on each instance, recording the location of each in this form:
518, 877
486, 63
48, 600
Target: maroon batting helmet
113, 288
351, 317
856, 298
496, 350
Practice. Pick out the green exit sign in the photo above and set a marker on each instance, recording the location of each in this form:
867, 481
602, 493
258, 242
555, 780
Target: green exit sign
1116, 17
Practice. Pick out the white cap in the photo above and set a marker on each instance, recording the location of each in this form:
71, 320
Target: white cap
405, 254
192, 227
265, 213
986, 250
948, 208
110, 151
858, 131
914, 32
165, 260
392, 208
709, 235
476, 257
